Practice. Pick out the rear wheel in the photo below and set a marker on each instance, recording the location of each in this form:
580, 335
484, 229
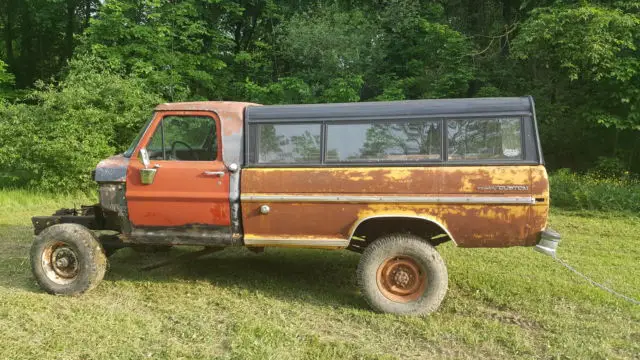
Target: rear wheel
402, 274
67, 259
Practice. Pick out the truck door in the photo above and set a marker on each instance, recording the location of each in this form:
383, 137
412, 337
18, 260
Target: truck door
190, 186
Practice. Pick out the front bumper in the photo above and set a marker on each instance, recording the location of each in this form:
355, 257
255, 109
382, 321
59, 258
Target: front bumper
548, 242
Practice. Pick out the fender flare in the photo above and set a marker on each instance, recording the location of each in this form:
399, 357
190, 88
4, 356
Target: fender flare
429, 219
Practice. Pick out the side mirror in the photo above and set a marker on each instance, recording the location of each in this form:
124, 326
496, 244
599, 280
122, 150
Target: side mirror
146, 175
144, 155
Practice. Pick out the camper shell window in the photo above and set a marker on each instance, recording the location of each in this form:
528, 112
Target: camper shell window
402, 133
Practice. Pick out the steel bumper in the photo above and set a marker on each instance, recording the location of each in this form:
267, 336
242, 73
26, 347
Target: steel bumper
548, 242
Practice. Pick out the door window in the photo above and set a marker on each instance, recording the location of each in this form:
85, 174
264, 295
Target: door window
184, 138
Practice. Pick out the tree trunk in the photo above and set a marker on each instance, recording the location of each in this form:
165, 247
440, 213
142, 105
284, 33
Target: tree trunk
71, 17
27, 62
87, 12
507, 18
8, 33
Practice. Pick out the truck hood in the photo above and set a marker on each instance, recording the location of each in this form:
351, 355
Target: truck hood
113, 169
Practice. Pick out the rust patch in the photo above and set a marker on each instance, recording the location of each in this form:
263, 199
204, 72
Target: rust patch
401, 279
189, 234
113, 169
340, 181
471, 225
540, 191
490, 179
232, 106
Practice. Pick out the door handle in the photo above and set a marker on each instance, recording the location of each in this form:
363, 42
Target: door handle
213, 173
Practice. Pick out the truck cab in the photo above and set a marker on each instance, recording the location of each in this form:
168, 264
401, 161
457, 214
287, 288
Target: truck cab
179, 182
390, 180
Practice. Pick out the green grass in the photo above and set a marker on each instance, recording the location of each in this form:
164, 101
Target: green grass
293, 304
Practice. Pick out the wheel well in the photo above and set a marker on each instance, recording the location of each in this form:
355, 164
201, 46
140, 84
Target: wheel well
370, 229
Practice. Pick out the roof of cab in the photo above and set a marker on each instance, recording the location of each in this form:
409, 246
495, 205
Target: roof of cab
217, 106
506, 106
231, 116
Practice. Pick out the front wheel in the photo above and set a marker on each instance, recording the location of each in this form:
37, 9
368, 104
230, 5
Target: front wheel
67, 259
402, 274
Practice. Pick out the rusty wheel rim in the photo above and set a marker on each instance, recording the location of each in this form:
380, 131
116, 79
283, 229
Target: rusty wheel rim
60, 263
401, 279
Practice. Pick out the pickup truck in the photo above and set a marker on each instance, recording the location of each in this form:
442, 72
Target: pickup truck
389, 180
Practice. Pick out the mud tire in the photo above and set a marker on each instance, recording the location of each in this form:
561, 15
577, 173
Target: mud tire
423, 254
89, 259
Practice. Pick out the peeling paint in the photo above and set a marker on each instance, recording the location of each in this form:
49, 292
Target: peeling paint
113, 169
471, 225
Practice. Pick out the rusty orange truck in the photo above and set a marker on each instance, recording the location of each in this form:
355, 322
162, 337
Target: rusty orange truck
390, 180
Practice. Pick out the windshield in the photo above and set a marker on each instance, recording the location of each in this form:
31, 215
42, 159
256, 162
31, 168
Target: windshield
132, 147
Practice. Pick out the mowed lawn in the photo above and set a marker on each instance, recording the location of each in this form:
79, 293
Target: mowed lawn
304, 304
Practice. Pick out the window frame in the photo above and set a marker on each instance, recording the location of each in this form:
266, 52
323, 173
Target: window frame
384, 121
160, 124
528, 139
255, 147
523, 147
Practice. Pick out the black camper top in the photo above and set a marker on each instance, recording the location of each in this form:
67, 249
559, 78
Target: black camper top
409, 109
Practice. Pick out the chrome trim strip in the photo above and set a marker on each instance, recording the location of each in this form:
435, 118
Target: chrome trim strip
392, 199
234, 205
298, 242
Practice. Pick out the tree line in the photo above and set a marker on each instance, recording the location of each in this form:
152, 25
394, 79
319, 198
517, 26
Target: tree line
79, 77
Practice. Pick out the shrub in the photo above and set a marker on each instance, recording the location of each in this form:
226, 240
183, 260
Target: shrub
54, 141
594, 191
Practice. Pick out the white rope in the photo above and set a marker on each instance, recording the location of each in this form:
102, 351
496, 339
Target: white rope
592, 282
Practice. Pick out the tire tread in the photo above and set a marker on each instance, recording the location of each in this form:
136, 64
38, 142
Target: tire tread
382, 248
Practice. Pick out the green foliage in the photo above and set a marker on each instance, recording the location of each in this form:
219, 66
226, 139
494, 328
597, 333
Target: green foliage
331, 50
581, 61
172, 45
436, 61
54, 142
288, 90
594, 191
6, 78
343, 90
6, 82
610, 167
587, 52
39, 36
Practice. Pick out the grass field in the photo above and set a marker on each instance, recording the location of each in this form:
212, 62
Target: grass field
304, 304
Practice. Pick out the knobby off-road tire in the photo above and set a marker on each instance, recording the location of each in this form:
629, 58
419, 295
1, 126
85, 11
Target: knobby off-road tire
67, 259
402, 274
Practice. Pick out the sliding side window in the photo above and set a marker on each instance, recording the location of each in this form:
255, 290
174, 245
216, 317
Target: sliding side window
396, 141
484, 139
287, 143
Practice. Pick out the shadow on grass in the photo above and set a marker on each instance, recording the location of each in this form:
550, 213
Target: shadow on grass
15, 269
314, 276
319, 277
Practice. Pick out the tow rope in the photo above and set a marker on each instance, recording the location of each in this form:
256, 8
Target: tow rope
594, 283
